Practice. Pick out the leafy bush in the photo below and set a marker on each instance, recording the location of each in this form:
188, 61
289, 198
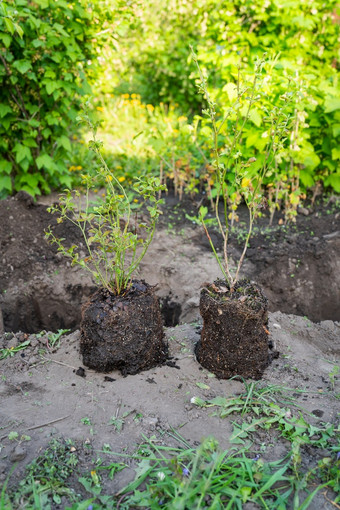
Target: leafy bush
300, 37
45, 68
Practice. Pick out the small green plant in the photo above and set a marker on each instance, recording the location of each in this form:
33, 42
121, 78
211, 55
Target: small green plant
269, 407
11, 351
235, 175
14, 436
86, 421
53, 339
117, 422
329, 472
333, 375
115, 246
45, 479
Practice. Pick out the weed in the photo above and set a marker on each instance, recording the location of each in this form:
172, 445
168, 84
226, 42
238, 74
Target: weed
333, 375
204, 477
138, 417
53, 339
86, 421
45, 479
14, 436
117, 422
266, 411
11, 351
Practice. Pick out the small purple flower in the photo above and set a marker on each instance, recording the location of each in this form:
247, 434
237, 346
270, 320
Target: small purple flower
256, 457
185, 471
90, 507
338, 456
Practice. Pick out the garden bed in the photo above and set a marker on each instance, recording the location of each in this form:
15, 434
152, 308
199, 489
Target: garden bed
297, 266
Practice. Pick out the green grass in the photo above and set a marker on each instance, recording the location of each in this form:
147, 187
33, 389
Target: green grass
184, 477
171, 478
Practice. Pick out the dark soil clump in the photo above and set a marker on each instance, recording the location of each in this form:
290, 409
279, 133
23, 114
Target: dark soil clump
234, 339
123, 332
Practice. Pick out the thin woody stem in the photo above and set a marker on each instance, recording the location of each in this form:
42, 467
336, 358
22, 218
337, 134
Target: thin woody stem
215, 253
240, 262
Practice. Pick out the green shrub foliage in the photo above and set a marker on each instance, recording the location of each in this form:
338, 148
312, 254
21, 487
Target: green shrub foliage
48, 56
51, 51
301, 38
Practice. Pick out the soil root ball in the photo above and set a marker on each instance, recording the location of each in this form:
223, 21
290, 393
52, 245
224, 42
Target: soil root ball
234, 339
123, 332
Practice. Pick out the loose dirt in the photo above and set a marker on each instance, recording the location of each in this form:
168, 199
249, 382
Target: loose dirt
298, 266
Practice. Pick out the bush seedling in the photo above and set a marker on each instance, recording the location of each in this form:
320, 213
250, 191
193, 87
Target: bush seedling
114, 246
232, 172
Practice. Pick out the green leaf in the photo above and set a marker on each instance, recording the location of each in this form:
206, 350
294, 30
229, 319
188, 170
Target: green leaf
242, 431
46, 132
255, 117
231, 90
245, 493
306, 178
49, 73
51, 86
5, 183
31, 179
22, 153
64, 141
252, 139
202, 386
334, 182
34, 123
22, 66
45, 161
6, 39
4, 109
30, 142
37, 43
44, 4
5, 166
84, 505
336, 130
9, 25
332, 104
197, 401
19, 30
66, 180
203, 212
307, 156
335, 153
24, 164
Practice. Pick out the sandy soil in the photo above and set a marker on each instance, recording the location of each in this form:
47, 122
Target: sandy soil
45, 395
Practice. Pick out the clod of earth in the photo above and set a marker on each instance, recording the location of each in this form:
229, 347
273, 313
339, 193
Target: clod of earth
123, 332
234, 338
